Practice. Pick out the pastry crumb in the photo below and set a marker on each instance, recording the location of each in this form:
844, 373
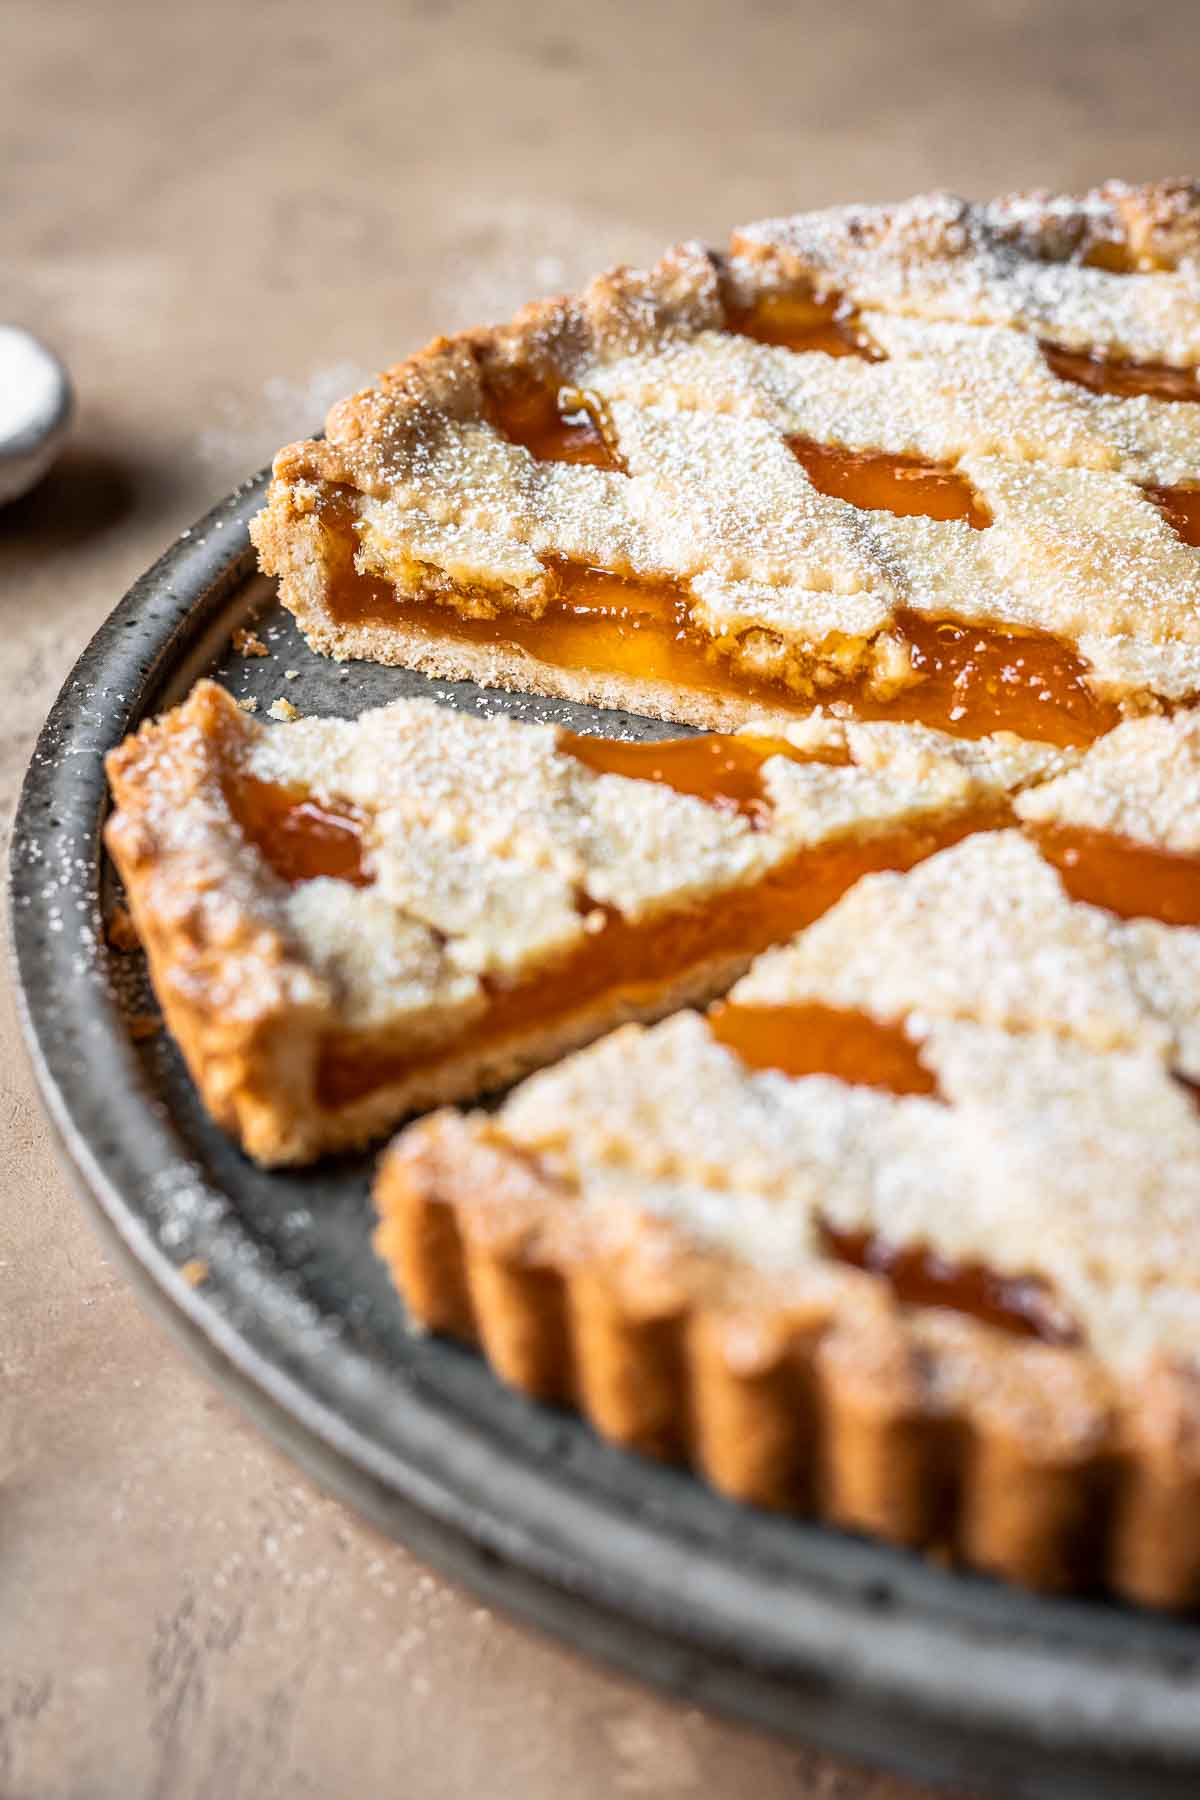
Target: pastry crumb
248, 703
194, 1271
121, 931
283, 709
290, 674
248, 643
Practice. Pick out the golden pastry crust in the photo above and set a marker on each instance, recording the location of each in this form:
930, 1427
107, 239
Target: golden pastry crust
644, 1232
491, 857
418, 496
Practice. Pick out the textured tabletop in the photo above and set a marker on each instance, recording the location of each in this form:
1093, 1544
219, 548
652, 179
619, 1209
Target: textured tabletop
223, 216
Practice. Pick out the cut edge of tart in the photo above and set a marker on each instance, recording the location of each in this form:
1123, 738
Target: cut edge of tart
896, 461
349, 921
915, 1254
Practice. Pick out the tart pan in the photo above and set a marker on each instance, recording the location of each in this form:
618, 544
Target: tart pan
270, 1280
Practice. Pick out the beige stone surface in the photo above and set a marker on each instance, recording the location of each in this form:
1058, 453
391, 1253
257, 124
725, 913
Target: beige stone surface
221, 215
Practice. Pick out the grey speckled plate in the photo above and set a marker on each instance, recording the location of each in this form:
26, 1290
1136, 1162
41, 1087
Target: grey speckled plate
844, 1643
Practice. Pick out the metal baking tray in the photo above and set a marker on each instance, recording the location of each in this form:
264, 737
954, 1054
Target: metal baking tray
846, 1644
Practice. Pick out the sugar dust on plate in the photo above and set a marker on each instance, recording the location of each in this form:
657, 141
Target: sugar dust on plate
35, 410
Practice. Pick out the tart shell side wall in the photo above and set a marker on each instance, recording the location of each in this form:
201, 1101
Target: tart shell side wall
843, 1419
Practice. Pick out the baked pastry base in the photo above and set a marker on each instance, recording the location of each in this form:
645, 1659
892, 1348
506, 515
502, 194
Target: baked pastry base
448, 658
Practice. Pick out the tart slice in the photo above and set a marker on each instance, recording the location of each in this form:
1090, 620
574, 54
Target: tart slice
905, 1233
348, 921
936, 462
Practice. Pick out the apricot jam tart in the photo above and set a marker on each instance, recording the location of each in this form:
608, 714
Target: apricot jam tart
861, 1166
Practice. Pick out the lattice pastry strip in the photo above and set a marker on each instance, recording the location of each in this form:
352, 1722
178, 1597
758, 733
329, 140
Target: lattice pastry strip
941, 392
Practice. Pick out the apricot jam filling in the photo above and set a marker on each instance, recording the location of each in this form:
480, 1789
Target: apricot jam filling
906, 485
1022, 1304
597, 621
1121, 375
637, 962
554, 423
1181, 508
1132, 880
1117, 257
726, 771
977, 678
813, 1039
972, 679
301, 838
802, 322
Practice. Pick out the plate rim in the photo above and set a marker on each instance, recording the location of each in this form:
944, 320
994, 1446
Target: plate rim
814, 1676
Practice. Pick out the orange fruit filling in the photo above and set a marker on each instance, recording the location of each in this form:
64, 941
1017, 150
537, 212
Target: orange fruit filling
906, 485
813, 1039
554, 423
802, 322
979, 678
972, 679
597, 620
301, 838
1181, 507
726, 771
1129, 879
918, 1276
1121, 375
